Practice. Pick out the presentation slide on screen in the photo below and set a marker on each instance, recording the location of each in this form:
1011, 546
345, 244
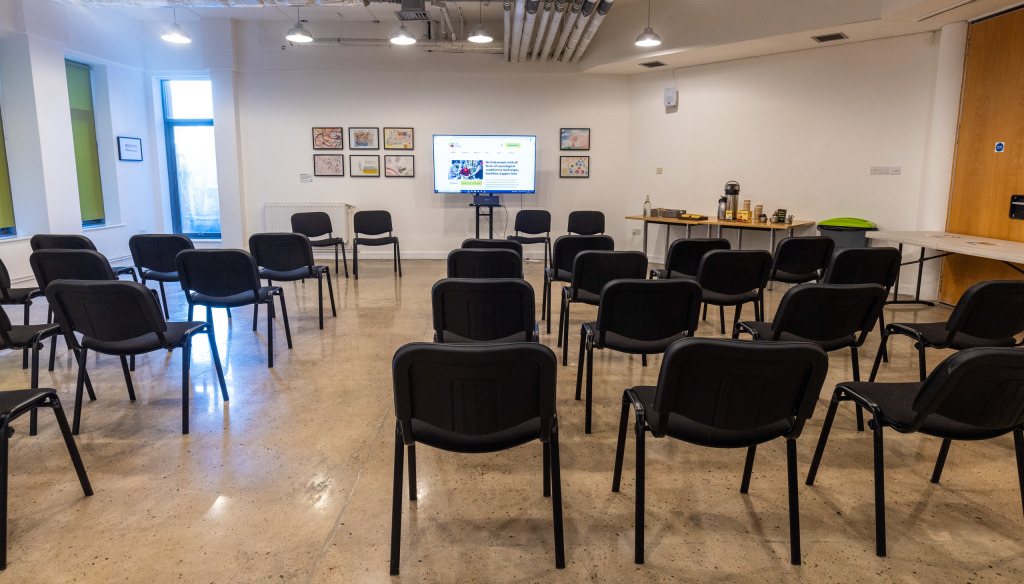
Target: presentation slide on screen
485, 164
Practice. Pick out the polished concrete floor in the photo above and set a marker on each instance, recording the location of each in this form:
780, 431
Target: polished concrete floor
291, 479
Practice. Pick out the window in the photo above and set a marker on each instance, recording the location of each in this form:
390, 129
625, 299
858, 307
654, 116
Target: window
191, 156
83, 132
6, 201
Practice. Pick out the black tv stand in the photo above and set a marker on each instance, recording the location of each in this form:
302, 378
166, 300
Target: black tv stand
489, 202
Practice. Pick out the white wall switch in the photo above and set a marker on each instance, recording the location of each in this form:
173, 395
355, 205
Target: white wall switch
895, 170
876, 170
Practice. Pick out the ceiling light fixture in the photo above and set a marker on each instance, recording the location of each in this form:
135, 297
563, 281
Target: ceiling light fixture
480, 34
648, 38
402, 36
176, 34
298, 33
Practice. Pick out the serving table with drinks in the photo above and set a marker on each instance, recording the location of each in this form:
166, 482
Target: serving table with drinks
739, 226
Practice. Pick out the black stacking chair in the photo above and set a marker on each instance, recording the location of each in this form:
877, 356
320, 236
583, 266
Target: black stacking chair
28, 337
373, 223
726, 394
590, 272
226, 278
318, 223
989, 314
637, 317
684, 257
17, 296
153, 254
586, 222
484, 263
532, 223
12, 405
976, 394
865, 265
799, 260
733, 278
72, 241
565, 249
288, 257
475, 398
492, 244
123, 318
481, 310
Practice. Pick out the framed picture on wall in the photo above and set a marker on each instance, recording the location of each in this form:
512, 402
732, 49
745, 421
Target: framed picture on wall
364, 138
328, 165
364, 166
399, 166
327, 138
398, 139
574, 139
129, 149
574, 167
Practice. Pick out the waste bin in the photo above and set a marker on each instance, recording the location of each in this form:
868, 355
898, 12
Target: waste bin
847, 231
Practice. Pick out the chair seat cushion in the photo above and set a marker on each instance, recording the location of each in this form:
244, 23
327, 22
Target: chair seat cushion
326, 242
376, 240
21, 335
587, 297
623, 344
291, 275
719, 299
935, 333
240, 299
791, 278
20, 295
456, 442
764, 331
15, 402
525, 240
175, 336
560, 275
895, 401
520, 337
160, 276
123, 270
696, 433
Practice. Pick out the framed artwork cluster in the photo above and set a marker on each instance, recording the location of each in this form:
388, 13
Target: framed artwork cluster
363, 138
574, 166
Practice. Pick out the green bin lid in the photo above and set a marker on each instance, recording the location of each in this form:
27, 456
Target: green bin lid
848, 222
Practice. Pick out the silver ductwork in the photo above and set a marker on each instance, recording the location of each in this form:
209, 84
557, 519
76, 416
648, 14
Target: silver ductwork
531, 15
570, 22
507, 12
540, 29
426, 45
517, 29
577, 30
553, 29
595, 23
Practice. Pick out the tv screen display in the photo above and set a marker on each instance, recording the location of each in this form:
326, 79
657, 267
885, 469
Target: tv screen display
485, 164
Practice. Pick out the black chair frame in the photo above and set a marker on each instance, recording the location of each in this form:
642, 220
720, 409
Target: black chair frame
288, 257
562, 257
314, 224
374, 223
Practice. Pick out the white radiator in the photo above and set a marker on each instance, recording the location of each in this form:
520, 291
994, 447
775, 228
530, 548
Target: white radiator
278, 216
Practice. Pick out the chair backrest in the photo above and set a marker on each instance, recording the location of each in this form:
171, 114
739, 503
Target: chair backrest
483, 309
803, 255
281, 251
60, 241
5, 329
586, 222
565, 248
533, 221
829, 312
484, 263
106, 311
474, 391
69, 264
371, 222
593, 269
684, 255
740, 386
734, 271
217, 272
312, 224
648, 310
982, 387
472, 243
156, 251
989, 310
864, 265
5, 280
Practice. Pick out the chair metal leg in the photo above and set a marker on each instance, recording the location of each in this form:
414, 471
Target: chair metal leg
344, 260
216, 361
748, 467
186, 361
856, 377
163, 296
643, 359
76, 425
284, 317
546, 455
561, 319
88, 384
355, 269
878, 358
53, 351
127, 377
620, 444
721, 318
270, 331
826, 427
940, 462
5, 432
396, 494
556, 497
131, 363
69, 441
320, 297
256, 315
209, 315
579, 364
641, 454
736, 314
705, 316
920, 360
34, 383
1018, 447
412, 472
330, 293
545, 302
881, 334
876, 426
794, 503
335, 259
565, 335
590, 387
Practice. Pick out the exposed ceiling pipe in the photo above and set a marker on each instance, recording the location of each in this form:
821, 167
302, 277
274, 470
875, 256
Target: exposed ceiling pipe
570, 22
540, 29
448, 21
577, 31
507, 7
595, 23
209, 3
531, 15
426, 44
517, 29
553, 29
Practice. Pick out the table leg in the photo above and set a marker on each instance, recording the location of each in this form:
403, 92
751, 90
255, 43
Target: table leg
739, 239
688, 226
645, 237
709, 231
896, 287
719, 230
920, 272
668, 228
771, 241
477, 207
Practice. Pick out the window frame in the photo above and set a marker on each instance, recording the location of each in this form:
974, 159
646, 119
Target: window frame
172, 160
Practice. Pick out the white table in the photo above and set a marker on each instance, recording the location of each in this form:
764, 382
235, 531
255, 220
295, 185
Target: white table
949, 244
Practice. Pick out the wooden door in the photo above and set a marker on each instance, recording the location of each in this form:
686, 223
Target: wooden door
991, 111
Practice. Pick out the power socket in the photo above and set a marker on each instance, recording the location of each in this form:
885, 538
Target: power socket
636, 232
878, 170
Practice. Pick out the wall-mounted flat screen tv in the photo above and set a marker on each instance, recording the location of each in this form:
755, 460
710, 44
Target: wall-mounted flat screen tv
485, 164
